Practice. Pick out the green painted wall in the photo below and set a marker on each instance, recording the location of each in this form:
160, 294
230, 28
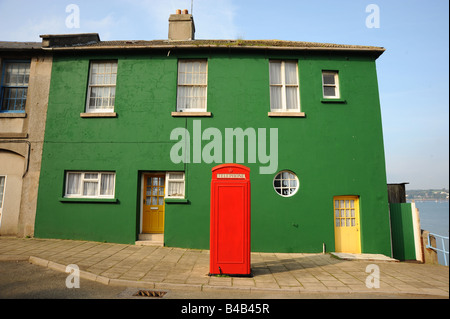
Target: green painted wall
337, 149
403, 245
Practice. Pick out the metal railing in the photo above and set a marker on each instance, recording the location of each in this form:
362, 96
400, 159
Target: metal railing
443, 238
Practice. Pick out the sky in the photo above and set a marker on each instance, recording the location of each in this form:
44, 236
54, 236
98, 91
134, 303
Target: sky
413, 73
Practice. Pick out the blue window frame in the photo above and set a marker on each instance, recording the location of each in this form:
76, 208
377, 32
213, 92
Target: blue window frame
14, 86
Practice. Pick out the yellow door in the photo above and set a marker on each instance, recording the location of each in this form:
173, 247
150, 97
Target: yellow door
346, 224
153, 207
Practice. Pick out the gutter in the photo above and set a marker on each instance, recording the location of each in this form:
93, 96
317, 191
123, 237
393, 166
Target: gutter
165, 47
377, 52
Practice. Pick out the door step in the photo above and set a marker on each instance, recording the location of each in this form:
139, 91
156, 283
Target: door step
150, 240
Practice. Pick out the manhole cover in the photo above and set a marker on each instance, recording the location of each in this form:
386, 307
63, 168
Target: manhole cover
150, 293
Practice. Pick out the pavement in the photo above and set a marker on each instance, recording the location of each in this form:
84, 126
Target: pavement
167, 268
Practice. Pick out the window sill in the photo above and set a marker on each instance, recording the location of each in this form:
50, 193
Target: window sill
334, 101
13, 115
88, 200
176, 201
178, 114
89, 115
14, 135
286, 114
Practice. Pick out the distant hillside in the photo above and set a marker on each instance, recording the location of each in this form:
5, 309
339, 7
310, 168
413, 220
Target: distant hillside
427, 194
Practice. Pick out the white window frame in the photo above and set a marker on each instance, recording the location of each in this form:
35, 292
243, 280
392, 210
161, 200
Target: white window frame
289, 187
283, 86
335, 85
81, 185
110, 108
173, 180
2, 199
3, 191
183, 109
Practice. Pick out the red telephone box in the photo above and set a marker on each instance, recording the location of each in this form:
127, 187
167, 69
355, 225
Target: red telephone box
230, 220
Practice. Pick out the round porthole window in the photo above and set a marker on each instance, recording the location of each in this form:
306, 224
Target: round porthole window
286, 183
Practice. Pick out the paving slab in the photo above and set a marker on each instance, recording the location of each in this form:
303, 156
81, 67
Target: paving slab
187, 269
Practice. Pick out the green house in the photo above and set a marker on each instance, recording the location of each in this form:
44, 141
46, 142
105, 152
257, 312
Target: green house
134, 129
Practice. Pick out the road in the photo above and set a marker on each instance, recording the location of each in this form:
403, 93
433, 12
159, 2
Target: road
22, 280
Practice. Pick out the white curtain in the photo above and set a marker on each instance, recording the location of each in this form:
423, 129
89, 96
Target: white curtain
290, 69
275, 97
275, 72
276, 85
176, 188
89, 183
291, 81
102, 85
107, 184
176, 176
90, 188
283, 81
73, 183
192, 81
291, 98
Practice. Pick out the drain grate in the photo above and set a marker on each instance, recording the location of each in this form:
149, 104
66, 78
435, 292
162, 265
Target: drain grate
150, 293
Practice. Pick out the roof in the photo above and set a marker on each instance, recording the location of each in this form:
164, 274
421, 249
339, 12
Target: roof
232, 44
14, 46
90, 42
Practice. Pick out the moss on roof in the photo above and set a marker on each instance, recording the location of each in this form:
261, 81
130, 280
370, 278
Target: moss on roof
230, 43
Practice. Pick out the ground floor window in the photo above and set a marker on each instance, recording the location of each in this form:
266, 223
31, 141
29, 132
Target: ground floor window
175, 185
286, 183
90, 184
2, 192
2, 188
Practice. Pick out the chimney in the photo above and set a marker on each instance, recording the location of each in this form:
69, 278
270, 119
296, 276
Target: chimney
69, 40
181, 26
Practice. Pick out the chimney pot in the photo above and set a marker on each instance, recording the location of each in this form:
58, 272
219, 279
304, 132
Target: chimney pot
178, 11
185, 11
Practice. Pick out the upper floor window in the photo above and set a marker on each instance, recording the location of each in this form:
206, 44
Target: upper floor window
14, 86
102, 86
330, 83
192, 85
284, 92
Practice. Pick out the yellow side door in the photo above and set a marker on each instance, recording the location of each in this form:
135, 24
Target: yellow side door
346, 224
153, 206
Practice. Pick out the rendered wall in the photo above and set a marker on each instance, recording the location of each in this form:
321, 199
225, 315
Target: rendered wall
337, 149
23, 135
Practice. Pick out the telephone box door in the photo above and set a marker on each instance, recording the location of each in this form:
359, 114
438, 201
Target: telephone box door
230, 220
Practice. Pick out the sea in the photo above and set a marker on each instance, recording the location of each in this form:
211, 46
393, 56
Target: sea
434, 217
